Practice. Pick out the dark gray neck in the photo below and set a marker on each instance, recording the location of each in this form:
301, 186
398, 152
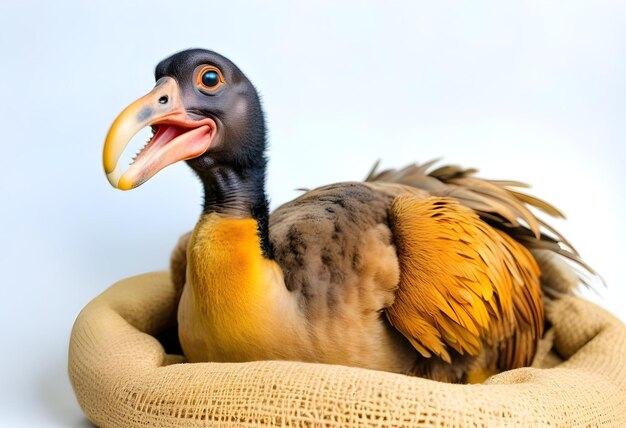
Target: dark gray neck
239, 193
234, 176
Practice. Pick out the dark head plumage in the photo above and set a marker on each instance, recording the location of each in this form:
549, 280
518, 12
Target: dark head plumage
205, 111
234, 105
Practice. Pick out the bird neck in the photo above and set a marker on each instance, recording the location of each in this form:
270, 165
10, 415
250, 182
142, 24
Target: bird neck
239, 193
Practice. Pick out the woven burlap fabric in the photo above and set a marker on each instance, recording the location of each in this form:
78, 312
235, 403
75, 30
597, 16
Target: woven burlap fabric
122, 377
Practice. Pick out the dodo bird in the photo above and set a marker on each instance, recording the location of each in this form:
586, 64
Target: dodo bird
423, 271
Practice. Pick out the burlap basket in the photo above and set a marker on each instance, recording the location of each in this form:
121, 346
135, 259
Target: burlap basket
123, 377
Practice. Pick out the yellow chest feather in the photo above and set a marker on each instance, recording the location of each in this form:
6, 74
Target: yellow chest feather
233, 297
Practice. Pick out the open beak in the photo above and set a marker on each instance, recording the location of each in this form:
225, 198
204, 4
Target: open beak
176, 136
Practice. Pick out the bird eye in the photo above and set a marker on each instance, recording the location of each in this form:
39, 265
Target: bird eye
210, 78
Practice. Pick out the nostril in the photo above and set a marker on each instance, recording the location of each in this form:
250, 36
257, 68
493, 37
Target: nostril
163, 99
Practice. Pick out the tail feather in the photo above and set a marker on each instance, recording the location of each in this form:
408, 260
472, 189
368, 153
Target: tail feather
495, 201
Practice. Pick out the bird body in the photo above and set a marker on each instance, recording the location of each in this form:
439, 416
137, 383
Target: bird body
254, 314
342, 268
421, 271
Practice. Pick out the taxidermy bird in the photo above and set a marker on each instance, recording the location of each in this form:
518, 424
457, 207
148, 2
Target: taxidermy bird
424, 271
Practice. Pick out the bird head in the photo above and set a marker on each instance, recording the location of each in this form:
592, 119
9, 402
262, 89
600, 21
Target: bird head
202, 110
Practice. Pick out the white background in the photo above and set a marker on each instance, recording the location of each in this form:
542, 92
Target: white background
531, 90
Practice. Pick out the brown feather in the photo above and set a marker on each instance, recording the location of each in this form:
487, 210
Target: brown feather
442, 253
493, 200
444, 249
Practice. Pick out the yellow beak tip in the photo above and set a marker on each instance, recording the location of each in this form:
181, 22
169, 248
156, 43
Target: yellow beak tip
125, 184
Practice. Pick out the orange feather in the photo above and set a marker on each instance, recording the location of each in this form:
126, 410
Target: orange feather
474, 283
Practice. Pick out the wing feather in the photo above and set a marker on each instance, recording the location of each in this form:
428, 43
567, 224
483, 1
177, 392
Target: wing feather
495, 201
473, 283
